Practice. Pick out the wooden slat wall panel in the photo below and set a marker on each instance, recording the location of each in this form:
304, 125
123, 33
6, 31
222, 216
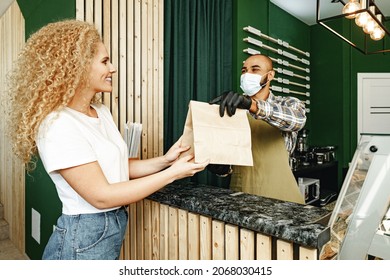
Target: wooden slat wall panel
133, 34
11, 169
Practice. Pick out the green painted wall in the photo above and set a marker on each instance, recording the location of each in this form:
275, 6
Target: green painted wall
335, 66
40, 190
327, 88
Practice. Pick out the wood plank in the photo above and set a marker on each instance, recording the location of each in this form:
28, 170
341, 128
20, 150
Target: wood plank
205, 238
164, 232
193, 237
306, 253
126, 240
98, 16
89, 11
155, 230
140, 230
147, 230
12, 195
106, 29
137, 70
284, 250
154, 75
263, 247
17, 189
145, 113
122, 67
149, 75
232, 241
247, 244
115, 60
183, 234
173, 234
218, 240
80, 9
160, 82
3, 138
133, 244
130, 62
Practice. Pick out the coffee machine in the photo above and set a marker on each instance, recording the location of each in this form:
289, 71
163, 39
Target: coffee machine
300, 157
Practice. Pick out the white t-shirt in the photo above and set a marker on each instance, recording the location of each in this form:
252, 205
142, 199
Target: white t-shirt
68, 138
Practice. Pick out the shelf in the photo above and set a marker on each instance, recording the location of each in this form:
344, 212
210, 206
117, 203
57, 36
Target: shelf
314, 167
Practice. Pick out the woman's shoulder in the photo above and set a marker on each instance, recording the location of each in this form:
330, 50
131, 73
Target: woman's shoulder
56, 122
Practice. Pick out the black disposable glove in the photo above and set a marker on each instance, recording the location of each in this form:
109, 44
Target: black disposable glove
231, 101
221, 170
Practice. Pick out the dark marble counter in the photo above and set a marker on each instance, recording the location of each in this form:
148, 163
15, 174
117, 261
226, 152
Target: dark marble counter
300, 224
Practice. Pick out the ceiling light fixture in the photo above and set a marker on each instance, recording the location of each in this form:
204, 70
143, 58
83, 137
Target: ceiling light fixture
350, 8
364, 14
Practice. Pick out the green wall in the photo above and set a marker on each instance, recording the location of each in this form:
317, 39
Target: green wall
40, 190
335, 66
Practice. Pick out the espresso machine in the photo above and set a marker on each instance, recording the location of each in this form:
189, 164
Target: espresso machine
300, 157
305, 155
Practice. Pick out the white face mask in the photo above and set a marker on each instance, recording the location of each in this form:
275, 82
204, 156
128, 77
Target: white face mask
250, 83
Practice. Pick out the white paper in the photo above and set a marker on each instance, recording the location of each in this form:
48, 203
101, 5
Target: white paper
36, 225
132, 137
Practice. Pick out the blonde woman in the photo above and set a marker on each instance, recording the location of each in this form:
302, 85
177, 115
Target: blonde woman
55, 114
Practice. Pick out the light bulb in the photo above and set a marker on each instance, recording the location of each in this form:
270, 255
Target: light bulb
361, 19
350, 7
377, 34
369, 26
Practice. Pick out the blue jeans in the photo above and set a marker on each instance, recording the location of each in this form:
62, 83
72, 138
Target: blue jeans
96, 236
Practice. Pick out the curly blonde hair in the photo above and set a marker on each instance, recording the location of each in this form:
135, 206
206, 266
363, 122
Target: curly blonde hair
53, 64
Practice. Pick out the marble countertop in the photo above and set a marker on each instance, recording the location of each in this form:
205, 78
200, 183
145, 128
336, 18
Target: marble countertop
301, 224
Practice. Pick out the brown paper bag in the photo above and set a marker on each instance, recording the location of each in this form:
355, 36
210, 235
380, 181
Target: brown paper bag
225, 140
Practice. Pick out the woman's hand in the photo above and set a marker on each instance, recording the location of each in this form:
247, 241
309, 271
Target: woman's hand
174, 152
186, 167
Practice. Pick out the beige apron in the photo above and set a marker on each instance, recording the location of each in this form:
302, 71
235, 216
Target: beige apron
270, 175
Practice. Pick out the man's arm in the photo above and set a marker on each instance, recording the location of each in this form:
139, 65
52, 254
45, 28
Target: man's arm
287, 115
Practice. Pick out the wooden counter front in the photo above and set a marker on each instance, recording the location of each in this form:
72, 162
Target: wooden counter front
191, 222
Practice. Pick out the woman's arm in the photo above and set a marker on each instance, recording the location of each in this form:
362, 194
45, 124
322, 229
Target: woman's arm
90, 183
140, 168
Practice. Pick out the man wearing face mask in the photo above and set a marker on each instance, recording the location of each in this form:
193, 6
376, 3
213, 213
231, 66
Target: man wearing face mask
275, 122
